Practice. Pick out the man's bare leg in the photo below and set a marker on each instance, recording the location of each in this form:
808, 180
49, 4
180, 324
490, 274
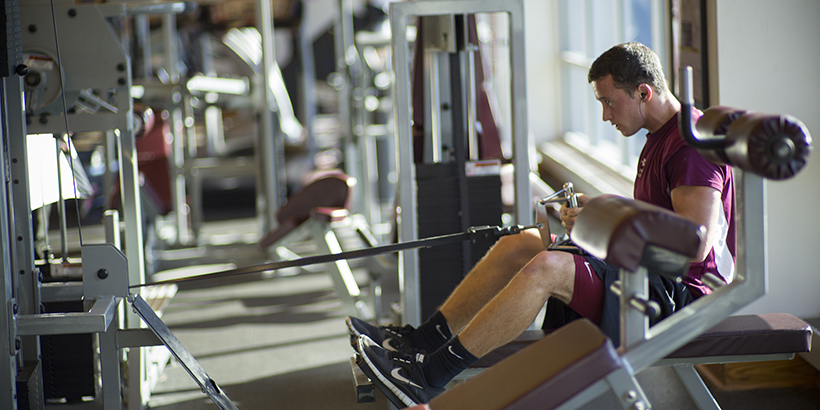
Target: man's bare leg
513, 309
490, 275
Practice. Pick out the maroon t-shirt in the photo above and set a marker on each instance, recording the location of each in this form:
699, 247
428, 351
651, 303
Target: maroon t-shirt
667, 162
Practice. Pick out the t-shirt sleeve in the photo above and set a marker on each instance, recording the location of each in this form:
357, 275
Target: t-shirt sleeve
688, 167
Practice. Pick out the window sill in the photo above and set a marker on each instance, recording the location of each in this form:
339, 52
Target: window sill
562, 162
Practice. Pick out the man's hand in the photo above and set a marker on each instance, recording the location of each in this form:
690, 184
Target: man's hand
568, 215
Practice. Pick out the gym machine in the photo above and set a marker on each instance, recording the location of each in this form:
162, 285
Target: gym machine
78, 89
636, 237
51, 90
436, 183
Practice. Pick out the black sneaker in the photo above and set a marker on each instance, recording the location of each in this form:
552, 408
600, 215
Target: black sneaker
397, 374
393, 338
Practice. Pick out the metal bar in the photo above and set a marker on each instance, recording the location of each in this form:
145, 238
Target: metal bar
8, 350
132, 209
96, 320
472, 111
365, 389
343, 280
433, 87
61, 201
270, 171
355, 254
521, 139
28, 276
307, 77
694, 385
61, 291
110, 367
111, 223
142, 38
408, 228
687, 124
626, 388
634, 323
182, 355
725, 359
159, 8
137, 338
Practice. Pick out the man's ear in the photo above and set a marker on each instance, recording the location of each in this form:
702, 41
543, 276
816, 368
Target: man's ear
645, 90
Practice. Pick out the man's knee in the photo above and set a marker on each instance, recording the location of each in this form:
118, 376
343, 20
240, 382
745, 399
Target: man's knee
552, 271
522, 247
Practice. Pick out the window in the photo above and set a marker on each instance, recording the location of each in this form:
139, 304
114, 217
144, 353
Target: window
588, 28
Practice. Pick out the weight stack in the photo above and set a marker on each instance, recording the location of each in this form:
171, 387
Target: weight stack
441, 268
68, 361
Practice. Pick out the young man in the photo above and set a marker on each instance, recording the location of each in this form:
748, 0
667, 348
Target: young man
502, 295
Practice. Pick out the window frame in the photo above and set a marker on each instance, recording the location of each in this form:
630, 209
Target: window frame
592, 136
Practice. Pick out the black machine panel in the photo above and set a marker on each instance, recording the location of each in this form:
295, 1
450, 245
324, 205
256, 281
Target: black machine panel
440, 212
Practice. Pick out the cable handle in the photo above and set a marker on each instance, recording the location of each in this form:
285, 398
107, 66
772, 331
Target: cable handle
569, 197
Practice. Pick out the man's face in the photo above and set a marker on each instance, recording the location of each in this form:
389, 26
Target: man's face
621, 110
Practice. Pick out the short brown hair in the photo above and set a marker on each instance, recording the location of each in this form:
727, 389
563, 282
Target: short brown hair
629, 64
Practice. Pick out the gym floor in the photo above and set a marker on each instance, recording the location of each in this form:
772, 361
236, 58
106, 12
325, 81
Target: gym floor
280, 342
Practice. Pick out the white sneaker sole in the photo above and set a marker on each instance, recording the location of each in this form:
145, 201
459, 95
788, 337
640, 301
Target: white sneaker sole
382, 379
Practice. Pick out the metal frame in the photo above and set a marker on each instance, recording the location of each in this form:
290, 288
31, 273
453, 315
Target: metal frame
708, 311
182, 355
28, 285
9, 347
270, 150
107, 272
399, 13
642, 346
324, 237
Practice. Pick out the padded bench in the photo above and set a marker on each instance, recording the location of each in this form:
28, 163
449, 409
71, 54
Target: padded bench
745, 338
633, 236
746, 335
311, 213
554, 370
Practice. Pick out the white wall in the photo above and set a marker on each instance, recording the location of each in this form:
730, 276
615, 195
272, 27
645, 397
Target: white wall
769, 61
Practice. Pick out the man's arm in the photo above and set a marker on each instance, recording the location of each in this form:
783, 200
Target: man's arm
701, 205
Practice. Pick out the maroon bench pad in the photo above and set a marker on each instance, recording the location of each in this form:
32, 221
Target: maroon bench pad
767, 333
543, 375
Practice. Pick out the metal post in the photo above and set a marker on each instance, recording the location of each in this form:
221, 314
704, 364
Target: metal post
111, 223
177, 157
269, 151
307, 108
634, 323
9, 307
110, 367
142, 30
348, 67
177, 163
695, 386
61, 201
28, 277
432, 115
472, 110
